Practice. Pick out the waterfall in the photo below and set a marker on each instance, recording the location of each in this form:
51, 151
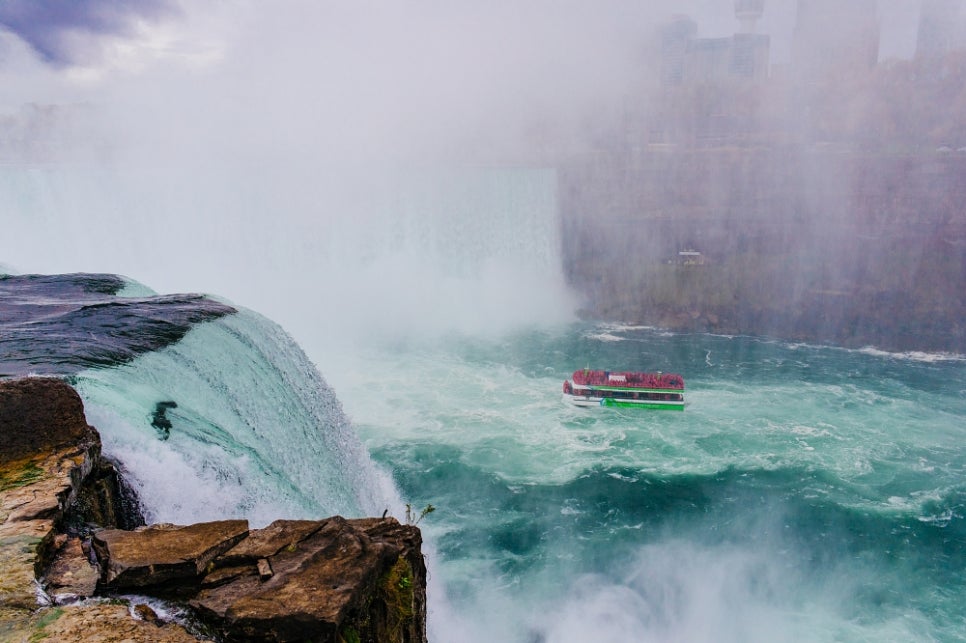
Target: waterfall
372, 250
233, 421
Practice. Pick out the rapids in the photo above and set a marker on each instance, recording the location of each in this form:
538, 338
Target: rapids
807, 493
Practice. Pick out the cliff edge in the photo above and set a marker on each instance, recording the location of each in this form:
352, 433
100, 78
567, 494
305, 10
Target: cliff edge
72, 568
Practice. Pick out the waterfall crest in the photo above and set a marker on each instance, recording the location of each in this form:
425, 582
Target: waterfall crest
233, 421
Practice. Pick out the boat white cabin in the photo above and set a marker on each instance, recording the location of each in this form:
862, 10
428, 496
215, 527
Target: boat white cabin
663, 391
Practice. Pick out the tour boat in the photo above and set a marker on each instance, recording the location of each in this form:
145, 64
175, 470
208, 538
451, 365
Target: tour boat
625, 389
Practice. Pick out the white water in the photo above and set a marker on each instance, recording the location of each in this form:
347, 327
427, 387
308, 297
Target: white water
393, 255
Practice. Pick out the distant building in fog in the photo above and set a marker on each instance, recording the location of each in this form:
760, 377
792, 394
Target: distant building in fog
690, 257
750, 55
687, 59
942, 27
676, 38
736, 66
707, 60
835, 37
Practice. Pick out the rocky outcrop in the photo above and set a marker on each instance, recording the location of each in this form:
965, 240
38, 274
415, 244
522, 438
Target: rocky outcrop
163, 556
47, 452
31, 428
322, 580
325, 580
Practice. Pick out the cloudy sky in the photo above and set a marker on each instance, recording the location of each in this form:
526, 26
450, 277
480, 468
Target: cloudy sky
360, 74
65, 32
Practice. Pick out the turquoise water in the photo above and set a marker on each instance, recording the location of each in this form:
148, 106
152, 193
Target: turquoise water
806, 494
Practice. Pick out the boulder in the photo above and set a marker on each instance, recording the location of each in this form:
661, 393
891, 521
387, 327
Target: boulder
163, 557
39, 415
71, 575
295, 580
301, 580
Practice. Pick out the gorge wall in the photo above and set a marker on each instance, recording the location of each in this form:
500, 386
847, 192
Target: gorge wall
805, 242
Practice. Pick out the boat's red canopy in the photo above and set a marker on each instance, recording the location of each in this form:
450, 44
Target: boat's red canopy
587, 377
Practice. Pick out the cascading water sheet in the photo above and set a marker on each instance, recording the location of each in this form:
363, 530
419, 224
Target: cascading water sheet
233, 421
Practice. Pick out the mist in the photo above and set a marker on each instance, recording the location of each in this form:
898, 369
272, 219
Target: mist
249, 150
342, 81
234, 149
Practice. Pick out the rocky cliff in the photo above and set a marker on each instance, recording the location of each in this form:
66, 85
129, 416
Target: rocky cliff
73, 569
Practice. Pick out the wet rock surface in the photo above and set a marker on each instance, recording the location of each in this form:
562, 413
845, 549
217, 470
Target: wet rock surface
326, 578
71, 575
38, 415
163, 556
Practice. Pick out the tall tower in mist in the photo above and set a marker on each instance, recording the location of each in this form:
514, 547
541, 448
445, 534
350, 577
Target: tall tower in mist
942, 27
835, 38
750, 51
748, 13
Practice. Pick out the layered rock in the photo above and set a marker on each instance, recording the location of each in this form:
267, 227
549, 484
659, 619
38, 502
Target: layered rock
39, 415
46, 451
325, 580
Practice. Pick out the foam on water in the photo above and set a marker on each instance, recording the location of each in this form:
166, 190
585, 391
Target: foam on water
678, 591
918, 356
806, 493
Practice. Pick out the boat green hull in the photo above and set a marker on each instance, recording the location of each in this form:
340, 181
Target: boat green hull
591, 401
637, 404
